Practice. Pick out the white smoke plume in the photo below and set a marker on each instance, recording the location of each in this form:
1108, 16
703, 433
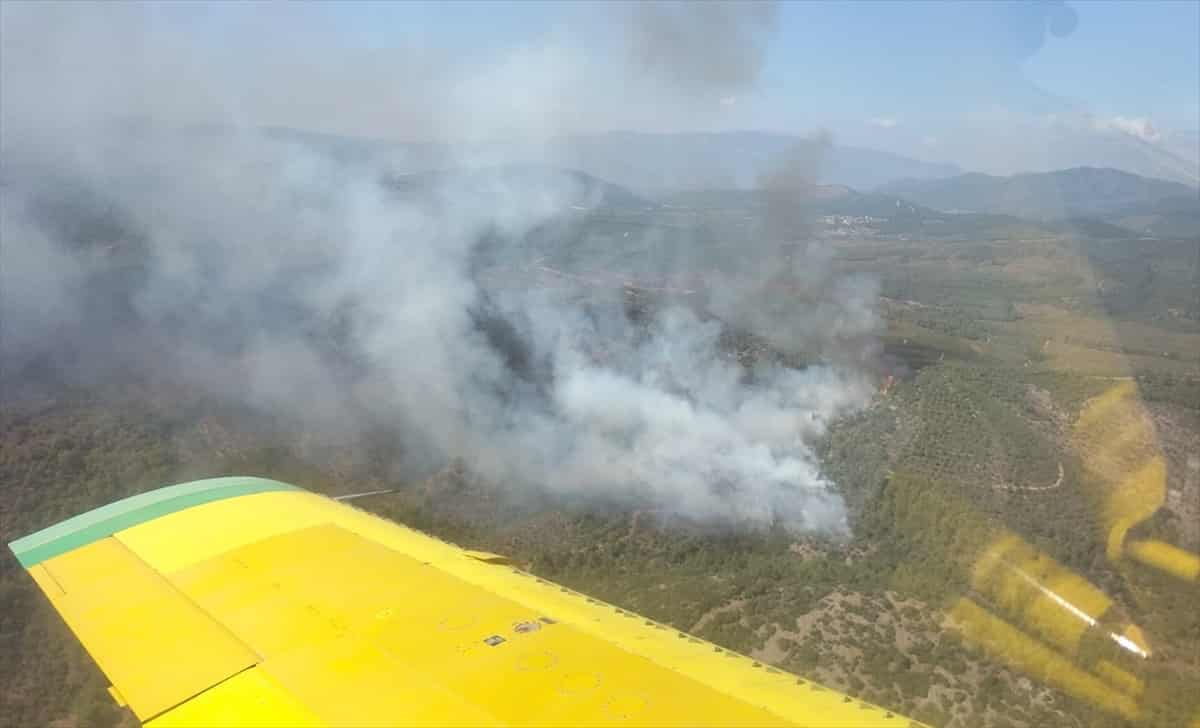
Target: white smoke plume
342, 293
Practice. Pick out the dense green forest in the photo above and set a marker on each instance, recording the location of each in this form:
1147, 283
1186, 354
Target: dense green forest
861, 615
992, 345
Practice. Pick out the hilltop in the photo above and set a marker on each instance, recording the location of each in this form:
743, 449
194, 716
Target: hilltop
1066, 193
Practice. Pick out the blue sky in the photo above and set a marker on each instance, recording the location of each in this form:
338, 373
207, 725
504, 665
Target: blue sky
937, 58
990, 86
888, 59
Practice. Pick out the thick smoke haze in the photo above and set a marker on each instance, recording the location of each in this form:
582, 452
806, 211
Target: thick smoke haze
346, 294
701, 47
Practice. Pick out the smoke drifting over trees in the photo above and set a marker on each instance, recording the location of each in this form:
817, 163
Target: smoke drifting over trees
270, 274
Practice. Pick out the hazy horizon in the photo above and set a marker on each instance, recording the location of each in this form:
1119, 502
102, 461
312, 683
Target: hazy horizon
990, 87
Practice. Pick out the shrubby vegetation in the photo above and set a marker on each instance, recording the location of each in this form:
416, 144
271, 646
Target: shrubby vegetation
971, 439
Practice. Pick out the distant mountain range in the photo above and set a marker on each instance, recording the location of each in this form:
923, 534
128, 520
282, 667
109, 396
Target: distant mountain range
648, 164
896, 216
1169, 157
1067, 193
626, 169
655, 164
565, 187
660, 164
1012, 144
1097, 203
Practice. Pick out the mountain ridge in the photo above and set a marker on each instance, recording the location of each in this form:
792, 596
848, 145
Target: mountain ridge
1066, 193
648, 164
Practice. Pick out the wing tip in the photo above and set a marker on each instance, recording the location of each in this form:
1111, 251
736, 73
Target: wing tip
106, 520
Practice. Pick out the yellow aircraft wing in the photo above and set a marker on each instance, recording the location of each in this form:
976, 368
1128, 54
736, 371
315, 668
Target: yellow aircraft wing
244, 601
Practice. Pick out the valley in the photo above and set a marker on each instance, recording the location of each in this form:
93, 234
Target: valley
995, 336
